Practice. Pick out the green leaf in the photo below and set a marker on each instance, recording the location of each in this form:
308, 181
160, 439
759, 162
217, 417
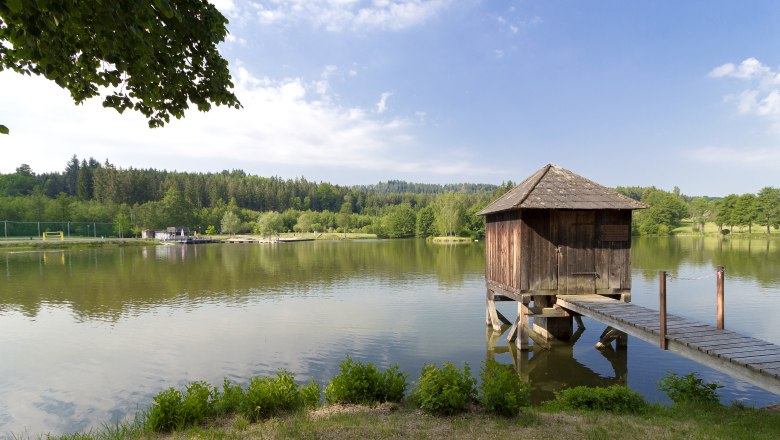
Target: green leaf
14, 5
3, 129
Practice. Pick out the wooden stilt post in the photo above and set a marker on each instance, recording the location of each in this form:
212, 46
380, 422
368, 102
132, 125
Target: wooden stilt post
522, 324
662, 306
492, 315
719, 275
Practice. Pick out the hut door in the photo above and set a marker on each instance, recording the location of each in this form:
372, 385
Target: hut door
577, 262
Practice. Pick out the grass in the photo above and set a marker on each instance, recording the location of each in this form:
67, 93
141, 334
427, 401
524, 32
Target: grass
71, 243
397, 421
712, 229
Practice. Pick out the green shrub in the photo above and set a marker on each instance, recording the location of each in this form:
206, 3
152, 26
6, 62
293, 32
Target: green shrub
230, 399
165, 414
445, 390
197, 403
311, 393
689, 389
615, 398
271, 395
394, 384
173, 410
502, 391
363, 383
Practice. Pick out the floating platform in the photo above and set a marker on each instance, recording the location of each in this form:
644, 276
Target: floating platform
744, 357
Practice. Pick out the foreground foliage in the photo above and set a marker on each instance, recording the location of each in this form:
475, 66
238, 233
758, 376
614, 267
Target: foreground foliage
364, 384
272, 407
263, 397
689, 389
617, 399
443, 391
501, 390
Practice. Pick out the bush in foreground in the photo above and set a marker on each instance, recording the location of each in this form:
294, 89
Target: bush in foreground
502, 391
272, 395
363, 383
174, 410
616, 398
443, 391
689, 389
263, 397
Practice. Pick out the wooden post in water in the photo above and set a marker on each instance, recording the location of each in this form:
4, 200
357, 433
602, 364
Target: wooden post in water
720, 290
662, 306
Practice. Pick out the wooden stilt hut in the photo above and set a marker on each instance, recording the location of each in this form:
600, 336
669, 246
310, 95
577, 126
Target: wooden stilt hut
555, 233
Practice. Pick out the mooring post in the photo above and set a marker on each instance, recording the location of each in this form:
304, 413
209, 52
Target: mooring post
662, 306
720, 290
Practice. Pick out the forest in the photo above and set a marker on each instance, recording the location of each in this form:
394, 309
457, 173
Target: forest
236, 202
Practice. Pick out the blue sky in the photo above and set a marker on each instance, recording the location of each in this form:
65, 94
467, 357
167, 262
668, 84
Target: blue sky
657, 93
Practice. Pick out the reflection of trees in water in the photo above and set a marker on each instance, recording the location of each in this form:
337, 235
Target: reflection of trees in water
106, 283
757, 258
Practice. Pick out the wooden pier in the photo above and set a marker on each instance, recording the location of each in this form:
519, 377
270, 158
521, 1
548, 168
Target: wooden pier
743, 357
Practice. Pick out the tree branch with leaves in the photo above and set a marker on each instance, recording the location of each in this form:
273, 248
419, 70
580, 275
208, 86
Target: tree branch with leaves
153, 56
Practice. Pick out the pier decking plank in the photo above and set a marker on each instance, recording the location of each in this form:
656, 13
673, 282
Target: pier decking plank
747, 358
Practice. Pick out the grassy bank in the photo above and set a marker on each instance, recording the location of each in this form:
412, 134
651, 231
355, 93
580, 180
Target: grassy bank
392, 421
444, 403
72, 243
712, 229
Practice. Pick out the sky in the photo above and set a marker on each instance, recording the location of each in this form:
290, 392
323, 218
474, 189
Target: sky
625, 93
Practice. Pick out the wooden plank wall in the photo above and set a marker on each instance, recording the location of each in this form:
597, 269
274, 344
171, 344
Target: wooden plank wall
539, 265
521, 250
502, 249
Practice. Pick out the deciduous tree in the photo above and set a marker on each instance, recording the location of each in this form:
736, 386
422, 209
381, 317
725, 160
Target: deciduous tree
153, 56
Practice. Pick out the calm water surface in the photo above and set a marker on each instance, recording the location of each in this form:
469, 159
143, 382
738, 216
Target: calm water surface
89, 336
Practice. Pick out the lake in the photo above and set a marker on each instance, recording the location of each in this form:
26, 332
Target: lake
89, 336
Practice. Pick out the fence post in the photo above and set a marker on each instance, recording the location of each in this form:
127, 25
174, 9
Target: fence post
68, 228
664, 344
39, 229
719, 275
94, 230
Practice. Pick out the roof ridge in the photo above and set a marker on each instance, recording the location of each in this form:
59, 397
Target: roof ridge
533, 187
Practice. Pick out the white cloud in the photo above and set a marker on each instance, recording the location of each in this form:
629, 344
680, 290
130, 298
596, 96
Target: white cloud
762, 95
290, 122
339, 15
748, 69
381, 106
768, 158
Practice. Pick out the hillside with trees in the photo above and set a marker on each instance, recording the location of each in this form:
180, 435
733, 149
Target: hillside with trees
236, 202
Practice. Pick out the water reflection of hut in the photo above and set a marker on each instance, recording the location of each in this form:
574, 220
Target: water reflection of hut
555, 233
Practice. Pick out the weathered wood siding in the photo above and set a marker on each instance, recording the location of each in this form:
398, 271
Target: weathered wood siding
566, 251
540, 259
502, 249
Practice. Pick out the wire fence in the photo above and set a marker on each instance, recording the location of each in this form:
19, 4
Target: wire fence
12, 230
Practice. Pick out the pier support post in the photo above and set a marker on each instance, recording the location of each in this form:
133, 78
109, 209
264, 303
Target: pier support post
492, 316
519, 332
664, 344
552, 328
719, 275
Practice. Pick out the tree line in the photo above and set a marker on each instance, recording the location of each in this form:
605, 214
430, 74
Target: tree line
233, 201
666, 210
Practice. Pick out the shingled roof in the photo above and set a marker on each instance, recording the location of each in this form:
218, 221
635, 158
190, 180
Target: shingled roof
553, 187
